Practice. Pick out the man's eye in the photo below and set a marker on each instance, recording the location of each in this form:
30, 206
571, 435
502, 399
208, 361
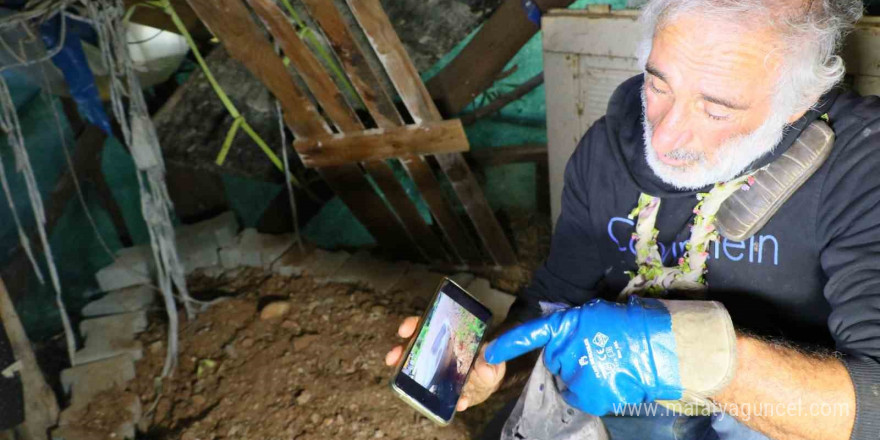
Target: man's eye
715, 112
654, 87
717, 117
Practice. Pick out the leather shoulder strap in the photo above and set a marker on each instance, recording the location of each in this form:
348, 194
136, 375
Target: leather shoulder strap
745, 212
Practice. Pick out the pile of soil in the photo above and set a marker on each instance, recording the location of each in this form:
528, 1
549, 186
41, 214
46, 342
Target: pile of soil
315, 372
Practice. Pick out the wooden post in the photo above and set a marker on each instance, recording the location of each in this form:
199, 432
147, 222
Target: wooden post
40, 405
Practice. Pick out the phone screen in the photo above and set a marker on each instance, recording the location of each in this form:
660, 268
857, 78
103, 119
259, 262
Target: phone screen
444, 350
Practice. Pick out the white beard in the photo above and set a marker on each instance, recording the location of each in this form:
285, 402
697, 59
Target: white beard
732, 158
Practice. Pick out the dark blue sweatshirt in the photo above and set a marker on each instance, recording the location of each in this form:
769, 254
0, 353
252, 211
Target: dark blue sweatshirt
810, 275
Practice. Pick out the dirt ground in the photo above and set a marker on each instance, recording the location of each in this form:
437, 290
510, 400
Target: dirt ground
316, 373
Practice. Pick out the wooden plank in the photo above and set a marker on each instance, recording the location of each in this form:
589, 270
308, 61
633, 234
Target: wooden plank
587, 34
480, 62
334, 104
363, 78
231, 22
404, 76
384, 112
488, 157
391, 53
564, 118
582, 68
380, 144
310, 69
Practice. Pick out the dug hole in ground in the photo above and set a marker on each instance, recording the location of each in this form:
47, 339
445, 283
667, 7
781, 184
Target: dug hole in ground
292, 357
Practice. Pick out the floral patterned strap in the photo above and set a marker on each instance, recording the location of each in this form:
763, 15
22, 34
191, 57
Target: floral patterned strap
652, 278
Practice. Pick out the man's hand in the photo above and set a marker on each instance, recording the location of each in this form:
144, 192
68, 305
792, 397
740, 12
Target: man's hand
608, 354
484, 380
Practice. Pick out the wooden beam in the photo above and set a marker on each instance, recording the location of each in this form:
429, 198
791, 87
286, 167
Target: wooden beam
362, 76
403, 75
231, 22
500, 102
384, 112
381, 144
309, 68
479, 63
398, 65
494, 156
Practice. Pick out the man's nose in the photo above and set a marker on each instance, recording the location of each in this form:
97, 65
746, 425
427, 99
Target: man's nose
672, 131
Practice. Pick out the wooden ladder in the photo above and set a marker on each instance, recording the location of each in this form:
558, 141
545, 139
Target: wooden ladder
333, 139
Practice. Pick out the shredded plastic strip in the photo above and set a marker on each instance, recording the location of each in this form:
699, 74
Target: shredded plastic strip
140, 137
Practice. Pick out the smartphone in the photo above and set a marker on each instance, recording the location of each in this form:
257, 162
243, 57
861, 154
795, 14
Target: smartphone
438, 359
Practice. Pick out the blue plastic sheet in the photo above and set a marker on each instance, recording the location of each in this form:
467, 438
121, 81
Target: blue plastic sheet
75, 67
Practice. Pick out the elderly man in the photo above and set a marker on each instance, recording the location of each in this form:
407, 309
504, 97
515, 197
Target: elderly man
737, 96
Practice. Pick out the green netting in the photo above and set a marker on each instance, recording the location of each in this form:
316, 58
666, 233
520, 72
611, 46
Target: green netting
249, 198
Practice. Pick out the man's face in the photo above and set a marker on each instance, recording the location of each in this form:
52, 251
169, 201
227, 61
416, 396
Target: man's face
708, 101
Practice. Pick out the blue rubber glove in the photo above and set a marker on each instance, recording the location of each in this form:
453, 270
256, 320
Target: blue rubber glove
607, 354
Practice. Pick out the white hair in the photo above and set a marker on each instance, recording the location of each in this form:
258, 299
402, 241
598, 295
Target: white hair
811, 33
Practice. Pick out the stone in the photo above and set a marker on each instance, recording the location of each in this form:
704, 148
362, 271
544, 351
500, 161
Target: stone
261, 250
123, 325
130, 299
111, 336
230, 257
275, 310
303, 398
83, 382
133, 266
364, 270
294, 262
303, 342
249, 248
292, 326
221, 230
197, 252
100, 348
497, 301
